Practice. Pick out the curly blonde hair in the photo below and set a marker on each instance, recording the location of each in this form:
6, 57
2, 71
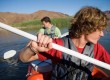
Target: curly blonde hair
86, 21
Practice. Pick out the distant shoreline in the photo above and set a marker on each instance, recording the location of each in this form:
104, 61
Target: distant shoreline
30, 27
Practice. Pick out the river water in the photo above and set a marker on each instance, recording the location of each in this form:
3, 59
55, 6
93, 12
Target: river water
13, 69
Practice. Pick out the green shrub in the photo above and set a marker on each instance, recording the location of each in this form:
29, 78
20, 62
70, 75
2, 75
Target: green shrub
59, 22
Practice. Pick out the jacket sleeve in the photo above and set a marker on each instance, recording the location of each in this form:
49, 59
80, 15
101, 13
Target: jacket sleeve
101, 54
41, 31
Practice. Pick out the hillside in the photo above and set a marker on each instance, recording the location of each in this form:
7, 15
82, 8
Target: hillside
10, 18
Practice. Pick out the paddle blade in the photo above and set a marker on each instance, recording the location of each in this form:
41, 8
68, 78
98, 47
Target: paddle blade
9, 54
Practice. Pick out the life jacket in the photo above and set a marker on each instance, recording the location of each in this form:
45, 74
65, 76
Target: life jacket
52, 32
72, 68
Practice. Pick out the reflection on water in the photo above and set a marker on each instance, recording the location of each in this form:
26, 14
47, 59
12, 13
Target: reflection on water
105, 41
12, 69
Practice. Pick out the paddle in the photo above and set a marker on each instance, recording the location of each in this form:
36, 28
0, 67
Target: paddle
9, 54
57, 47
64, 34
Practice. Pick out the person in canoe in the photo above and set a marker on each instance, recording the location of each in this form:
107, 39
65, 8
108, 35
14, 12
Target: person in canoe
49, 29
86, 29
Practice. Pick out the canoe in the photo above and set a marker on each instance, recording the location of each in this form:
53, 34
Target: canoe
34, 75
40, 70
44, 69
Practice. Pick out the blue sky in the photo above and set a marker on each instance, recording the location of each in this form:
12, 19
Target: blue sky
69, 7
